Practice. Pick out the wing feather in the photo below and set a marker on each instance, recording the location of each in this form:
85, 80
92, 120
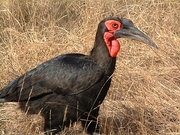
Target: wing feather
65, 74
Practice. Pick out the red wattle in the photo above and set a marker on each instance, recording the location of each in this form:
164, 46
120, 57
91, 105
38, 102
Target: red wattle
115, 47
112, 44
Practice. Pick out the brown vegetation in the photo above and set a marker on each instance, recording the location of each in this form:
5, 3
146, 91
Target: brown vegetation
144, 98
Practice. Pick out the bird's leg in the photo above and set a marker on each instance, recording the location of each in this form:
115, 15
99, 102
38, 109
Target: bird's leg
89, 122
51, 131
51, 125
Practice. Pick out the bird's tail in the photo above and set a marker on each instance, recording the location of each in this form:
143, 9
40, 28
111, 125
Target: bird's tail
2, 100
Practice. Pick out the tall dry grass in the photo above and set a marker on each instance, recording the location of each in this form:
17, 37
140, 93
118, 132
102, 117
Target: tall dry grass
145, 93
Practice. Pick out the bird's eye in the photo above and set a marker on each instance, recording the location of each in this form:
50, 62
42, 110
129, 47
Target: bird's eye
115, 25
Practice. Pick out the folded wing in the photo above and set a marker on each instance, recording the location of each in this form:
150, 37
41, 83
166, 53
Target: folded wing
66, 75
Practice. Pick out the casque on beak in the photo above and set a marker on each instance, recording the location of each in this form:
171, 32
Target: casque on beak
128, 30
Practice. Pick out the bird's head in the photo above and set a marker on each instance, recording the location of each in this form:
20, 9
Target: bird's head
113, 28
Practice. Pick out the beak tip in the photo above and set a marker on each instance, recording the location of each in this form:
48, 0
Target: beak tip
154, 45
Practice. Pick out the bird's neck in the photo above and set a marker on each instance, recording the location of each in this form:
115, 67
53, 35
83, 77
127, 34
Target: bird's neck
101, 56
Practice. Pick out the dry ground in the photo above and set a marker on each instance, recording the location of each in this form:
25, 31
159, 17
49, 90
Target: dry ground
145, 94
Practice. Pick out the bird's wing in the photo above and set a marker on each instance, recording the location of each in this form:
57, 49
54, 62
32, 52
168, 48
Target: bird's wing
66, 75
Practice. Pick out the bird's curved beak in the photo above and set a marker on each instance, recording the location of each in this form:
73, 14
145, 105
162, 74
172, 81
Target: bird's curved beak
128, 30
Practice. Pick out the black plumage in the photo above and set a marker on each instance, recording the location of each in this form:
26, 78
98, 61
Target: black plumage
70, 87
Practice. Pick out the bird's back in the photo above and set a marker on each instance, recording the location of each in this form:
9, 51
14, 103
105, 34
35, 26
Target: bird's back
66, 75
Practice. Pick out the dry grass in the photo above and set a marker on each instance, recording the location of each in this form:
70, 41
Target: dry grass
145, 94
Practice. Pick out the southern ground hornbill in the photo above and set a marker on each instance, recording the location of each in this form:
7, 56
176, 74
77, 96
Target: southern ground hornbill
70, 87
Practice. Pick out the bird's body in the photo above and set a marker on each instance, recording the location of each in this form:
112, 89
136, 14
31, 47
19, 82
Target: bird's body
70, 87
64, 82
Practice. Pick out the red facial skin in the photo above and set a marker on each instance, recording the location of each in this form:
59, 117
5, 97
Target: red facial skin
112, 43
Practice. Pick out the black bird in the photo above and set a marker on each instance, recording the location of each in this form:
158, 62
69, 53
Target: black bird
71, 87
